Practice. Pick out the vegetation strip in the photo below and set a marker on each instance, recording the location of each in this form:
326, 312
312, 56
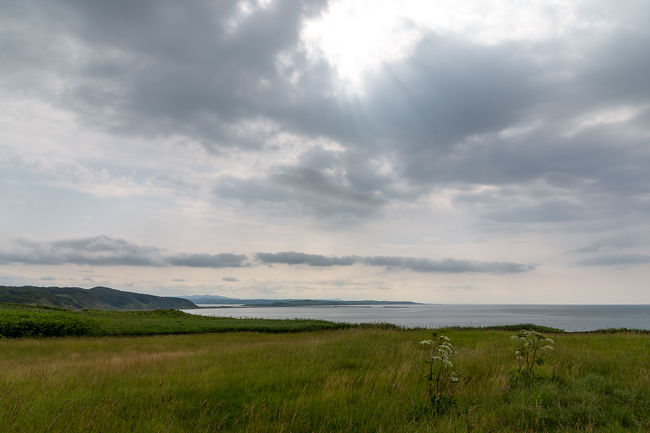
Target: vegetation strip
29, 321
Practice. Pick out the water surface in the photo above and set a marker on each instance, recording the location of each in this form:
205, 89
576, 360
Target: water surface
566, 317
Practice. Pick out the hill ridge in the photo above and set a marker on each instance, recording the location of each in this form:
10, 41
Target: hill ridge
99, 297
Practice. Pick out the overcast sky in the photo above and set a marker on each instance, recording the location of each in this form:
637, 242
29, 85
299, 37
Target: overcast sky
447, 151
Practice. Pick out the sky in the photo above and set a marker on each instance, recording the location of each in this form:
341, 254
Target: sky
443, 152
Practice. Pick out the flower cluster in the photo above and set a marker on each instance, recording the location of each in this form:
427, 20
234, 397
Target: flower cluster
531, 347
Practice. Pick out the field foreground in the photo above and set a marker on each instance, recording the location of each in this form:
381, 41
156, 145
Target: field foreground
355, 380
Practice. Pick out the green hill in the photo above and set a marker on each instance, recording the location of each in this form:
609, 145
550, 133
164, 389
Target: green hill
101, 298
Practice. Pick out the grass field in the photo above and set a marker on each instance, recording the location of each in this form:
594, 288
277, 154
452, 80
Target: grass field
17, 320
354, 380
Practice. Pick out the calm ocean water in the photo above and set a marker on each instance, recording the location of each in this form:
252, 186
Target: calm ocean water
567, 317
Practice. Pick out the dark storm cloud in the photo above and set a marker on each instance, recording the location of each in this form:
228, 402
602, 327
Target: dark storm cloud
107, 251
451, 266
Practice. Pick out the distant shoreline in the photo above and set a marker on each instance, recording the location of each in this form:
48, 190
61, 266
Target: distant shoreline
208, 301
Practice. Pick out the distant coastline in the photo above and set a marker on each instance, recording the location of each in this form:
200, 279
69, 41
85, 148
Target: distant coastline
215, 301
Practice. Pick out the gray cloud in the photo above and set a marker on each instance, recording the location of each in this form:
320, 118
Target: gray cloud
206, 72
617, 260
605, 245
99, 250
231, 279
404, 263
460, 287
446, 90
450, 266
107, 251
294, 258
457, 114
157, 69
324, 183
224, 260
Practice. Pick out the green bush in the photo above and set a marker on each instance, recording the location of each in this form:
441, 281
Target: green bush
16, 323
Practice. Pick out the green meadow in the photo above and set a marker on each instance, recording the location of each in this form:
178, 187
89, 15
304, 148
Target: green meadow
18, 320
357, 379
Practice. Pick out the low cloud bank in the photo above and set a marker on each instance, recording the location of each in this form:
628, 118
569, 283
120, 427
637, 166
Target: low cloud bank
295, 258
402, 263
107, 251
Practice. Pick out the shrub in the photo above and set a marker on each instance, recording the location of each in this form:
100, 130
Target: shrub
43, 324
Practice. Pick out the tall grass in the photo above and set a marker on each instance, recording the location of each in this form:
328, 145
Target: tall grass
354, 380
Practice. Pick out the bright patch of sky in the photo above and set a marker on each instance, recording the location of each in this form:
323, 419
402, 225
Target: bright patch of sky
359, 36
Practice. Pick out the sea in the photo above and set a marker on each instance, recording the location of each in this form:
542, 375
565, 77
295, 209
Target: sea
572, 318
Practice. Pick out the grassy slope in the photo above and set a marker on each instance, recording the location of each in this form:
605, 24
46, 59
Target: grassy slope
357, 380
20, 321
98, 297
